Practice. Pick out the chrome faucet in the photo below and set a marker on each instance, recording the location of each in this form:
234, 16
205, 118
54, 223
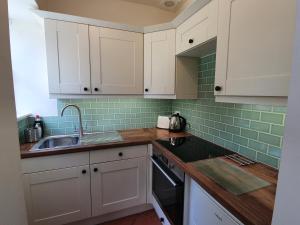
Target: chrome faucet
79, 116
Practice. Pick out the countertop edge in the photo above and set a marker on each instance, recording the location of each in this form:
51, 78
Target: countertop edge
130, 138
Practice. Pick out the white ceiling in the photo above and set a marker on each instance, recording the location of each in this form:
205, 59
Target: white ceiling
22, 9
157, 4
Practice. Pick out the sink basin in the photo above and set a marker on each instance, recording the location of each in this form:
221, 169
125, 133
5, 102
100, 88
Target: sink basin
56, 142
65, 141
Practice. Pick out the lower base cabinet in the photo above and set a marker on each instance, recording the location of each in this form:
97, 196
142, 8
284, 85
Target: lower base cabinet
57, 197
62, 189
118, 185
204, 211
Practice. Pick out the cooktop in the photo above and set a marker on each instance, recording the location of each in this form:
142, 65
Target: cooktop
192, 148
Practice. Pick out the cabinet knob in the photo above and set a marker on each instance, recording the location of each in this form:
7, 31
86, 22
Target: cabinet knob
95, 170
120, 154
85, 89
162, 220
218, 88
83, 171
191, 41
146, 90
96, 89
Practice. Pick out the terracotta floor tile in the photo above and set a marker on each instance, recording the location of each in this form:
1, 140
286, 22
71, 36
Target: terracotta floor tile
145, 218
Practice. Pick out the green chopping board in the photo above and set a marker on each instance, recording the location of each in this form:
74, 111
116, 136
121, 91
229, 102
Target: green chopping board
232, 178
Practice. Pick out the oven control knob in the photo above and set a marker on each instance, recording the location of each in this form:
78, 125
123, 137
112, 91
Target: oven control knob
162, 220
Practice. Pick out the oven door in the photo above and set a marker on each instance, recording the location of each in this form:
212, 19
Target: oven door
168, 190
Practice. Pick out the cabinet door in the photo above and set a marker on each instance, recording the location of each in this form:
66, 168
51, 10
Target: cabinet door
58, 196
199, 28
255, 42
118, 185
203, 211
116, 61
68, 62
159, 62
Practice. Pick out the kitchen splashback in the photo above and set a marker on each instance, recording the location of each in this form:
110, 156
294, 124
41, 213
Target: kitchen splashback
252, 130
104, 114
255, 131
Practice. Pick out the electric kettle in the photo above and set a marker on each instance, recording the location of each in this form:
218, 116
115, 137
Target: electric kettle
177, 123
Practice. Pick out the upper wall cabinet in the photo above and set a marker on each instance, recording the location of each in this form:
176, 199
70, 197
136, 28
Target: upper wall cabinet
67, 46
165, 75
85, 59
116, 61
198, 29
254, 47
159, 62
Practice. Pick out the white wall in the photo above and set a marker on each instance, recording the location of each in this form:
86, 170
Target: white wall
12, 204
287, 202
29, 65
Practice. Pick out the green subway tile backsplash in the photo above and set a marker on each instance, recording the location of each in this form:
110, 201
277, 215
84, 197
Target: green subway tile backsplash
252, 130
272, 118
105, 114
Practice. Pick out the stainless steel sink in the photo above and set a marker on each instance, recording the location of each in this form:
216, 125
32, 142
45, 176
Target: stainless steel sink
56, 142
65, 141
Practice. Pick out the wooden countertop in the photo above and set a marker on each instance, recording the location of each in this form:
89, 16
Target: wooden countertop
130, 137
252, 208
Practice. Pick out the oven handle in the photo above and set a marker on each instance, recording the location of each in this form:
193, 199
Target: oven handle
163, 172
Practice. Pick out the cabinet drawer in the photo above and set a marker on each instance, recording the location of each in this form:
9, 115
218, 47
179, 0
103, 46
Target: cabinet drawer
118, 154
32, 165
199, 28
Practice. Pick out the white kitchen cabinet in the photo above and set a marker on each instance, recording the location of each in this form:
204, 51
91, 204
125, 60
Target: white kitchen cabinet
165, 75
116, 61
67, 48
116, 154
118, 185
203, 210
254, 47
159, 62
198, 29
56, 197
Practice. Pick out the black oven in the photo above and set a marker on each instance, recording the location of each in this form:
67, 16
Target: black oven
168, 188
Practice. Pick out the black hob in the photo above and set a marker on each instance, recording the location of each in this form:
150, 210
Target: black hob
192, 148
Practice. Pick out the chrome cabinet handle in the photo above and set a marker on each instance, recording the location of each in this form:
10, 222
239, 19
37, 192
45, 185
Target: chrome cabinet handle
164, 173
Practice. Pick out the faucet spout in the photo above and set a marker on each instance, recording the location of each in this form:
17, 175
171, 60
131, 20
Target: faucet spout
79, 117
